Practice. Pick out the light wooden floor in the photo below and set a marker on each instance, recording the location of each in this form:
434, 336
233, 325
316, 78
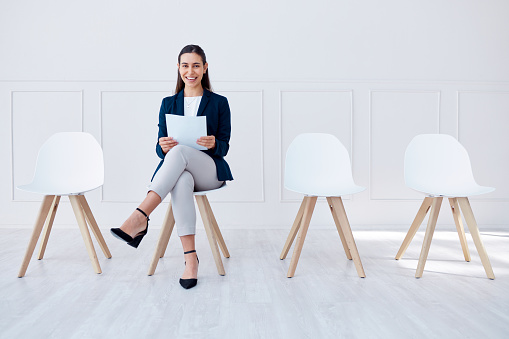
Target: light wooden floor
61, 296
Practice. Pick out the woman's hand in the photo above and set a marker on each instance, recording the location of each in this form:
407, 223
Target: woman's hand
167, 143
209, 141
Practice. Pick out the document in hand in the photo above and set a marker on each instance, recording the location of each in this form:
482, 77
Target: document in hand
186, 130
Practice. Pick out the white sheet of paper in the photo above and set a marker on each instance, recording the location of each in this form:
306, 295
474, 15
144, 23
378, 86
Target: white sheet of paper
186, 130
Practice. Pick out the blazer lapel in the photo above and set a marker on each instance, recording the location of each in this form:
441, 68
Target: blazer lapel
180, 104
203, 103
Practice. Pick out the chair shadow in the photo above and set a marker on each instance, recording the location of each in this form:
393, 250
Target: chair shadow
454, 274
496, 235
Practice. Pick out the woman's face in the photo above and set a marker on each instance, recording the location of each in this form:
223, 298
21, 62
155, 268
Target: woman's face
192, 69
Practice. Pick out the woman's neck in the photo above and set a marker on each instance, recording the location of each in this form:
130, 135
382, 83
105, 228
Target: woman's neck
193, 92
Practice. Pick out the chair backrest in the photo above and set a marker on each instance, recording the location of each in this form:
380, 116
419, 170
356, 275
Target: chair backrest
69, 163
438, 164
319, 164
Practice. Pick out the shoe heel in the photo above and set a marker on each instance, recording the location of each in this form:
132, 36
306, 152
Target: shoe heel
189, 283
136, 241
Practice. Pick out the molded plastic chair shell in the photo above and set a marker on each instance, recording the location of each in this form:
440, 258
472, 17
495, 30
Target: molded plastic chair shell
317, 164
438, 165
68, 163
210, 191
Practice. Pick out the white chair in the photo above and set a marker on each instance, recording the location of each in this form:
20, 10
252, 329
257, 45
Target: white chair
318, 165
214, 235
439, 166
69, 163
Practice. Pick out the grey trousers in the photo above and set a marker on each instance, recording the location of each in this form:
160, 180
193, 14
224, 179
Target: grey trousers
184, 171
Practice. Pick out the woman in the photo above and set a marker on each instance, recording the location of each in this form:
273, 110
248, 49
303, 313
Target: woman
184, 169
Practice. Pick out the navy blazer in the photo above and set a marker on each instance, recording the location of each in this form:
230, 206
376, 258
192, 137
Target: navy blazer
215, 107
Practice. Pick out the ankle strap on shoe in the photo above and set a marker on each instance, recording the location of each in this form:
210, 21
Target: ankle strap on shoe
145, 214
193, 251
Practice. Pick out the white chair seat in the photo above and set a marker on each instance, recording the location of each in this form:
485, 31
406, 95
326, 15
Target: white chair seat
68, 163
61, 189
330, 190
210, 191
438, 165
461, 191
317, 164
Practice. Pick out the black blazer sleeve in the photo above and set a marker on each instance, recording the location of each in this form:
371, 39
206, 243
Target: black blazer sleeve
163, 132
223, 130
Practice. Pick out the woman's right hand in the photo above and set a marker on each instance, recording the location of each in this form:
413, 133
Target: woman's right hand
167, 143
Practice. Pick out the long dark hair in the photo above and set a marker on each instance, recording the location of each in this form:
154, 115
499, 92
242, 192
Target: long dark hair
205, 81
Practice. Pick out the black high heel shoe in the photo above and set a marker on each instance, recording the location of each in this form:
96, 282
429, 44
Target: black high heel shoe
189, 283
134, 242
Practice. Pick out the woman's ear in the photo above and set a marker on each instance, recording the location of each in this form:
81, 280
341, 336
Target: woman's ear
205, 67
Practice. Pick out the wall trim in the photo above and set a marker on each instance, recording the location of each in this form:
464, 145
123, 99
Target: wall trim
370, 142
11, 121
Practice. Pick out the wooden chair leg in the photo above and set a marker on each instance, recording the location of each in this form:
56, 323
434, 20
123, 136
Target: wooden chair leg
47, 201
47, 226
340, 212
164, 238
80, 217
93, 225
169, 219
421, 214
217, 231
456, 215
306, 218
340, 231
432, 222
293, 230
207, 223
474, 232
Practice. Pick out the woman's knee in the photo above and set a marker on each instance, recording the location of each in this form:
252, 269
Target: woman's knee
177, 154
185, 182
180, 149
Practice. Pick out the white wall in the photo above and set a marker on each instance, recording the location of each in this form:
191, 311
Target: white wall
374, 73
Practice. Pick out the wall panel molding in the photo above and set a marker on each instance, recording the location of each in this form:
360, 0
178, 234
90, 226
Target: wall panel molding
394, 128
41, 135
122, 123
270, 112
482, 120
314, 128
261, 184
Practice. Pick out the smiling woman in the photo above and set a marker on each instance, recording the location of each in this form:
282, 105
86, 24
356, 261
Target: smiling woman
183, 169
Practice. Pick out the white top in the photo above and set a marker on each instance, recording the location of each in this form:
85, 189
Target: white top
191, 105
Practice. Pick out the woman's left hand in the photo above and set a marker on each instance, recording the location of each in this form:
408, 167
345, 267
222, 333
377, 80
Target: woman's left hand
208, 141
